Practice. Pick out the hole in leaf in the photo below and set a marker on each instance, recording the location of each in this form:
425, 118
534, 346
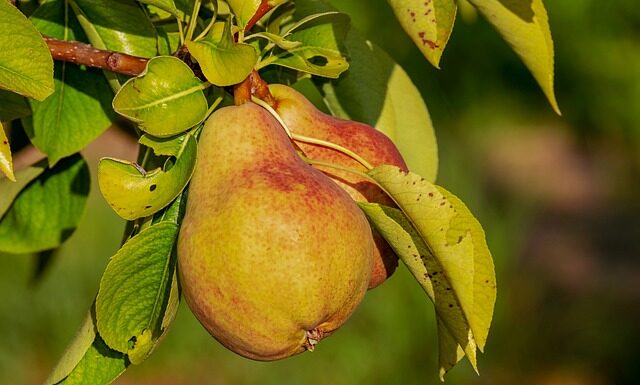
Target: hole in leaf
152, 187
319, 61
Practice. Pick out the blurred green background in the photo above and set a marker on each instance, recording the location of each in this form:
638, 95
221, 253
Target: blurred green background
558, 197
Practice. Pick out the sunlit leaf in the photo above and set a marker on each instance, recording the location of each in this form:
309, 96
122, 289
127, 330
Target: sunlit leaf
320, 51
413, 249
428, 23
223, 61
79, 110
165, 100
444, 247
129, 306
524, 24
47, 211
134, 193
74, 352
6, 164
120, 26
390, 102
26, 66
244, 10
165, 5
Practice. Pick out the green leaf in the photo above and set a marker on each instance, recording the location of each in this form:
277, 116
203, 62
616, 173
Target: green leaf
9, 190
72, 355
244, 10
133, 290
26, 66
46, 211
165, 5
524, 24
6, 164
223, 61
390, 102
134, 193
461, 258
428, 23
100, 365
79, 110
119, 25
13, 106
165, 100
320, 52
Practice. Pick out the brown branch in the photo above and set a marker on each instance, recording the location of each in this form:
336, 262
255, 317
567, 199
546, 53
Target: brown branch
82, 53
262, 10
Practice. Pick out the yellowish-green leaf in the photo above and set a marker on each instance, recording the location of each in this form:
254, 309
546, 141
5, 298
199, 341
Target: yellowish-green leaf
244, 10
134, 193
433, 275
131, 300
165, 100
6, 164
484, 280
223, 61
26, 66
390, 102
524, 24
457, 242
449, 352
428, 23
74, 352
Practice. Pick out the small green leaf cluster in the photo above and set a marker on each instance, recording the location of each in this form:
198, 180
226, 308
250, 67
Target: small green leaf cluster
197, 54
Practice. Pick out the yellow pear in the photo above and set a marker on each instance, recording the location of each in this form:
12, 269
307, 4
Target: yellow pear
273, 256
303, 118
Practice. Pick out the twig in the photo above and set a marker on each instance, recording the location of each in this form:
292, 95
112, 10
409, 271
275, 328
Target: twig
82, 53
262, 10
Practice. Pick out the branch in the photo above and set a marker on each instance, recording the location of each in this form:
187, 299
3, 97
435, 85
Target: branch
262, 10
82, 53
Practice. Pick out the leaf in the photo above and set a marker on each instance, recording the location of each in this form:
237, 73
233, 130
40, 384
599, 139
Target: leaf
456, 241
119, 25
100, 365
47, 211
13, 106
165, 100
6, 164
79, 110
412, 248
244, 10
223, 61
72, 355
133, 193
320, 51
26, 66
129, 306
524, 24
165, 5
10, 190
390, 102
428, 23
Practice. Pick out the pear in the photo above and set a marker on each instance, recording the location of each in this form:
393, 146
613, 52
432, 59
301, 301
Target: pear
273, 256
303, 118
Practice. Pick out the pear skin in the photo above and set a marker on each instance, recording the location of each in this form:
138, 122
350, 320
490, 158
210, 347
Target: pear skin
272, 255
303, 118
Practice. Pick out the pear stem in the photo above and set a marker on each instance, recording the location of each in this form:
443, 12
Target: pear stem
273, 112
314, 162
337, 147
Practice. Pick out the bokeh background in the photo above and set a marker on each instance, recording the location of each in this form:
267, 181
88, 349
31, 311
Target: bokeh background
559, 198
